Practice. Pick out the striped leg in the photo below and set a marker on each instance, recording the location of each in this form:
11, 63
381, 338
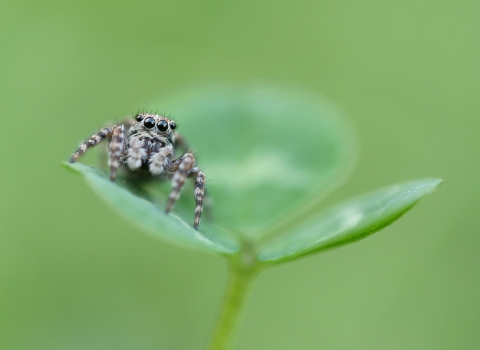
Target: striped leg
185, 164
116, 147
91, 142
199, 192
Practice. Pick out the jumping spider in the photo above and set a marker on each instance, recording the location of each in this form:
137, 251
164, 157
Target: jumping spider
149, 147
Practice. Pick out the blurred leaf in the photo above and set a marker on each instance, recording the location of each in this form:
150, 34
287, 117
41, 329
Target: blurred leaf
347, 223
267, 152
149, 217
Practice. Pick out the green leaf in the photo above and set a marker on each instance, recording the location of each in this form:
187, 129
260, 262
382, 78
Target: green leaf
151, 218
347, 223
267, 152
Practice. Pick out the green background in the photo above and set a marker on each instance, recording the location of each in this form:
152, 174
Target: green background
75, 276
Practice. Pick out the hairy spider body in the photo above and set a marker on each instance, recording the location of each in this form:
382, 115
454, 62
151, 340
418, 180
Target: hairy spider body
147, 143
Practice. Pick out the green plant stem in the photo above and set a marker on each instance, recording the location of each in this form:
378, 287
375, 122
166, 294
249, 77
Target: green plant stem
241, 275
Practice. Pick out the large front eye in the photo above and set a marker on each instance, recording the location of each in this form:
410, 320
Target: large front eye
139, 118
149, 123
162, 125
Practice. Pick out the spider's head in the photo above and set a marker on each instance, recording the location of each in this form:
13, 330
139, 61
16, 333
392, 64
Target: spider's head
153, 123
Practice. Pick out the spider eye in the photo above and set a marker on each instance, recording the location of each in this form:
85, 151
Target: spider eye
173, 125
162, 125
139, 118
149, 123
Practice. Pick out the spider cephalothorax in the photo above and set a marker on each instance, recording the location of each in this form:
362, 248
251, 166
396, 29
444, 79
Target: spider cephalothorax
149, 144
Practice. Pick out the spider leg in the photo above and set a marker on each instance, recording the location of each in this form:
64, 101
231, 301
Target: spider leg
91, 142
199, 193
203, 200
117, 146
181, 167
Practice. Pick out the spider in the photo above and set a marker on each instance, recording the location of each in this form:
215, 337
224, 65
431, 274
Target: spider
148, 149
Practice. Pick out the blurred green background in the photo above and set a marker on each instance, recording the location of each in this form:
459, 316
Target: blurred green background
75, 276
